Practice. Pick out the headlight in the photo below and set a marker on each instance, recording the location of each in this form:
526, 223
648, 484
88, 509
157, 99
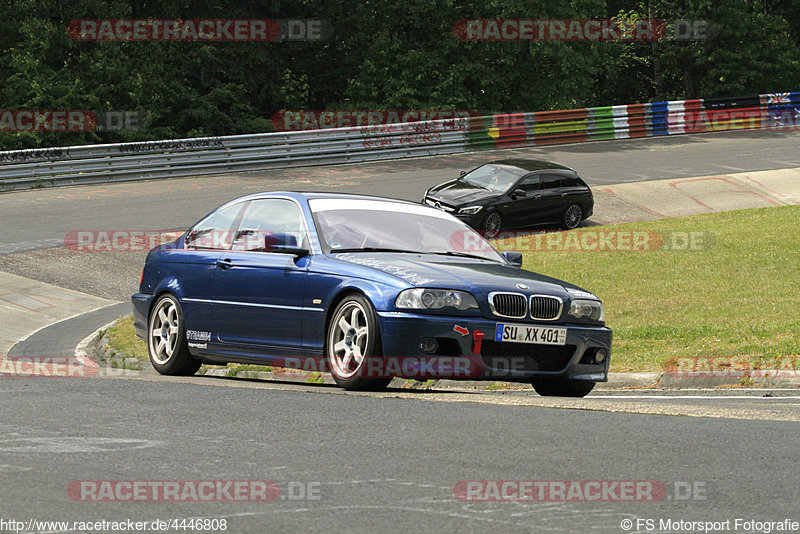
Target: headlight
589, 309
434, 299
471, 210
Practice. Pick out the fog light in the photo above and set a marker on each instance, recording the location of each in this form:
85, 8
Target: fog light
428, 345
600, 356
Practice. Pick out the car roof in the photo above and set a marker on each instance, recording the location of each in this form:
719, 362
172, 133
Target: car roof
531, 164
308, 195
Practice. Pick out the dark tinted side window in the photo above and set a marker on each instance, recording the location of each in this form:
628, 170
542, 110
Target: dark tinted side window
529, 183
215, 232
569, 181
550, 181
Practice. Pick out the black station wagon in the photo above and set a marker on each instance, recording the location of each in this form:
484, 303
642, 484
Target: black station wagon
515, 193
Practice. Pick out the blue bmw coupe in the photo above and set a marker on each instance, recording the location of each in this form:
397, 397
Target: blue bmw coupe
366, 288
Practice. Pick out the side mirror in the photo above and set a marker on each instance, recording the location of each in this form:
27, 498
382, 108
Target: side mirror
284, 244
300, 252
519, 193
462, 173
513, 257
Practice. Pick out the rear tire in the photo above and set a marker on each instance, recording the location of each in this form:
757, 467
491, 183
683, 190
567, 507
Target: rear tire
573, 216
166, 339
353, 340
555, 387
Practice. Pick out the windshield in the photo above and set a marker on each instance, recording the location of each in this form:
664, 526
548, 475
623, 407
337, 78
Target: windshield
494, 177
351, 225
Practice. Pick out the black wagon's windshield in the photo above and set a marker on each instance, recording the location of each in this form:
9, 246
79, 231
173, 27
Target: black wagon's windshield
494, 177
352, 225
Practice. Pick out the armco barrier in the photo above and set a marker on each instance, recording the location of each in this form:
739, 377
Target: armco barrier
214, 155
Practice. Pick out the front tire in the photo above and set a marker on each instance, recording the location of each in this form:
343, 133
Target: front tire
353, 341
492, 224
573, 216
166, 339
554, 387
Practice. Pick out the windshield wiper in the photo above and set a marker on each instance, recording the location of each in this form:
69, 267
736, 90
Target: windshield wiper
461, 255
374, 249
440, 253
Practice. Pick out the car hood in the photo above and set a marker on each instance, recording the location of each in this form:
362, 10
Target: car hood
458, 192
475, 276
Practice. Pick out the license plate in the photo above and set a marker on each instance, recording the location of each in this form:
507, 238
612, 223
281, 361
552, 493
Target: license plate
523, 333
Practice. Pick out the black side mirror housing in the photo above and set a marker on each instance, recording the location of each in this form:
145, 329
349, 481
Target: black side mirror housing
288, 249
284, 244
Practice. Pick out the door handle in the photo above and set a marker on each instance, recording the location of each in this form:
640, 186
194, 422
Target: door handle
224, 263
537, 196
563, 194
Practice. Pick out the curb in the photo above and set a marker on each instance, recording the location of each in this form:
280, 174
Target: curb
741, 379
631, 380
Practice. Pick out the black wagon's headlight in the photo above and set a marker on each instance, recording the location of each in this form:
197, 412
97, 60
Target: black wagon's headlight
470, 210
586, 309
420, 298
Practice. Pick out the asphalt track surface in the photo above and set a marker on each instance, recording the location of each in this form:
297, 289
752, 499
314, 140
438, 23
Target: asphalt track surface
376, 464
379, 461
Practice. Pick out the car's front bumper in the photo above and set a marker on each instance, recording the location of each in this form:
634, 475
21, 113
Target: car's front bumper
468, 356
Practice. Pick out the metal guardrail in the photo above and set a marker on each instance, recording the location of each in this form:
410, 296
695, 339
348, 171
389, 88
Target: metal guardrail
22, 169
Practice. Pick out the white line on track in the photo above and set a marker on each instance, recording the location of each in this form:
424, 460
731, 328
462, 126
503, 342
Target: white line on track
728, 397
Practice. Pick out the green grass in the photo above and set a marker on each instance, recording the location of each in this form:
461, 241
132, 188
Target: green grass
315, 378
122, 338
737, 298
236, 368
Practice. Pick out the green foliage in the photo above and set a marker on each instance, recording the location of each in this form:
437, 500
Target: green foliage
382, 55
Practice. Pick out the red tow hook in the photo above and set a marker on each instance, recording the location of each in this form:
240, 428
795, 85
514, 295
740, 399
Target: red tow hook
477, 339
